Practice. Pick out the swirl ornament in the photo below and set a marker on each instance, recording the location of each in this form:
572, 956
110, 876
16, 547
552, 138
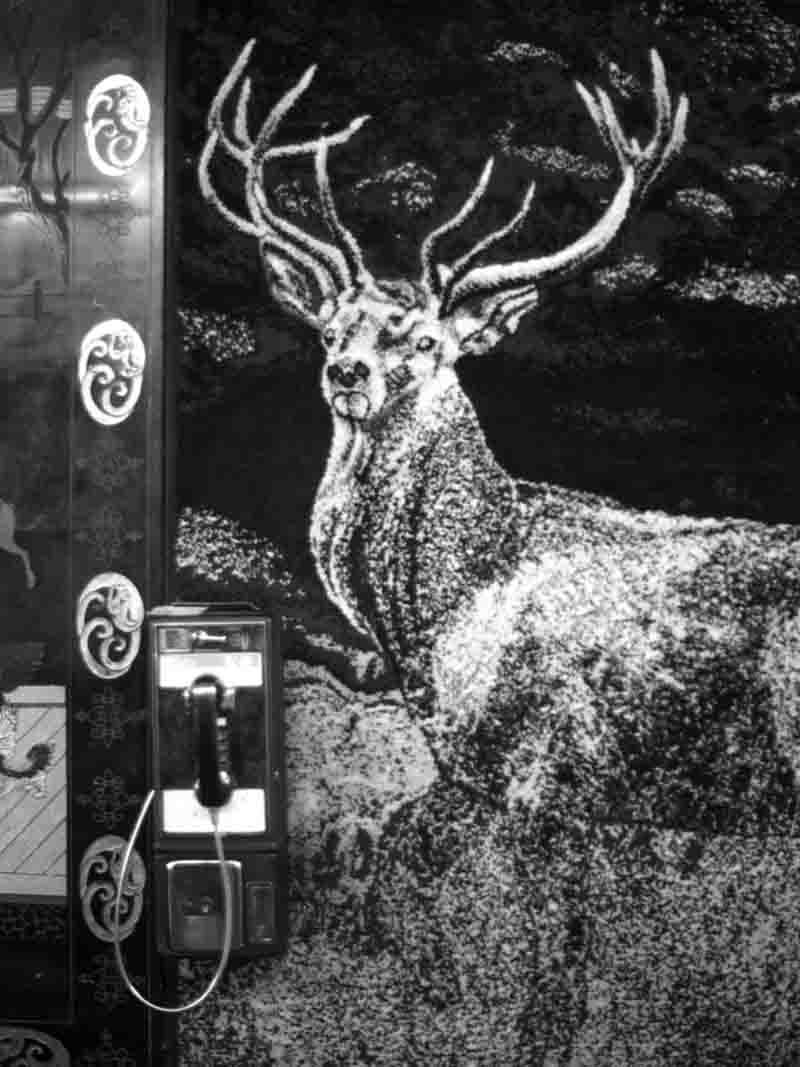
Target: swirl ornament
98, 881
117, 124
20, 1046
110, 371
109, 621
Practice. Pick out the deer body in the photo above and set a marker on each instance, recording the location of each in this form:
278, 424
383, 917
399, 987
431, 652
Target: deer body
547, 635
547, 639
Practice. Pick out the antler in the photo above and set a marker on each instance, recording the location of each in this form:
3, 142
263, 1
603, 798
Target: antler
284, 246
641, 167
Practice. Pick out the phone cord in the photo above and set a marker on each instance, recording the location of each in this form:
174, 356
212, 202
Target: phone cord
227, 895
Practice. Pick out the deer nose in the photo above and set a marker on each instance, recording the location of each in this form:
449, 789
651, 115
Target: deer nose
348, 374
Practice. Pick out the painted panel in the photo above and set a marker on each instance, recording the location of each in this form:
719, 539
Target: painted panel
33, 792
81, 507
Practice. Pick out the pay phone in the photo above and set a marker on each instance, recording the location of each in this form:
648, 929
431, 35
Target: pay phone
218, 843
216, 746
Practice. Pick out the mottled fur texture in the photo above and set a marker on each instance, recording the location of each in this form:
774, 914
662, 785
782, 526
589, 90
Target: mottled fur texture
549, 639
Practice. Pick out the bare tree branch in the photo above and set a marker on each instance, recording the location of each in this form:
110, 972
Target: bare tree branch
52, 211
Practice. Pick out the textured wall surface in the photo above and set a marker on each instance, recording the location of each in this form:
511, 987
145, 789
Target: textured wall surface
555, 826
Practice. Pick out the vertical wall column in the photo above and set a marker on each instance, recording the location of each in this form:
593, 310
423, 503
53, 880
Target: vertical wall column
117, 505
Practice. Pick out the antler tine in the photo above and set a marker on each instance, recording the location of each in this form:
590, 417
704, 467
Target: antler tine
214, 123
273, 242
640, 168
274, 231
668, 137
462, 265
346, 240
255, 194
430, 275
254, 229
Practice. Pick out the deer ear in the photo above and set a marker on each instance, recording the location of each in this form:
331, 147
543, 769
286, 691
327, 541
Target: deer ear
303, 293
481, 324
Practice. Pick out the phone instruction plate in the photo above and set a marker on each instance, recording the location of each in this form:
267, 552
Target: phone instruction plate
178, 670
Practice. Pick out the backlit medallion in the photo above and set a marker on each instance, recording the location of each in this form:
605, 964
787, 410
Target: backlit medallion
110, 370
100, 869
20, 1046
109, 621
116, 126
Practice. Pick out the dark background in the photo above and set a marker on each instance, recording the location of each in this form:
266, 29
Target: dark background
673, 387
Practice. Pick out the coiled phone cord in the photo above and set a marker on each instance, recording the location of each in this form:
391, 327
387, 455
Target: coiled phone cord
227, 896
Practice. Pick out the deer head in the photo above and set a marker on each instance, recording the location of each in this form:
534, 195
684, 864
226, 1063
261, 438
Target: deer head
385, 340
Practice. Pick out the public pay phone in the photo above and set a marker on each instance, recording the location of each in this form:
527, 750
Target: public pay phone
218, 843
216, 752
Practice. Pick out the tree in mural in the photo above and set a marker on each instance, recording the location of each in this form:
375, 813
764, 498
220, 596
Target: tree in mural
50, 206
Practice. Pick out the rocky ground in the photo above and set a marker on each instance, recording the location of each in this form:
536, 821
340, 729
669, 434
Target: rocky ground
429, 929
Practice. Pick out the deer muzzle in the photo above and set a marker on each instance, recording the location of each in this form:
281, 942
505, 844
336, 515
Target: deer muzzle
348, 383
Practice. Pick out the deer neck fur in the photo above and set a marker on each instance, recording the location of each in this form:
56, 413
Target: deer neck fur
413, 512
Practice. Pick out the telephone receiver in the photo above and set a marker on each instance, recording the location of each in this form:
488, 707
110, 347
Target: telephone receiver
213, 709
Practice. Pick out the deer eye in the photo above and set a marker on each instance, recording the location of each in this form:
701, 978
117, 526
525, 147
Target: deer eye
328, 337
425, 343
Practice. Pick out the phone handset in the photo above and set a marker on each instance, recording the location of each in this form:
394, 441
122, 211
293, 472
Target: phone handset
212, 707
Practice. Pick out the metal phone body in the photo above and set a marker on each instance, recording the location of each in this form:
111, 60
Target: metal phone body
216, 740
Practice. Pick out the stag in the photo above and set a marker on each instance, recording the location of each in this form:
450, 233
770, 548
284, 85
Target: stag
546, 638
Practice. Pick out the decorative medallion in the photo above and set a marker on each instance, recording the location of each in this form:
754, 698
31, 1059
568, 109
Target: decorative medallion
109, 622
117, 123
20, 1046
99, 878
110, 369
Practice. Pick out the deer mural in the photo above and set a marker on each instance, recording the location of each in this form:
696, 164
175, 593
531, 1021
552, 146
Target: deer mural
546, 638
